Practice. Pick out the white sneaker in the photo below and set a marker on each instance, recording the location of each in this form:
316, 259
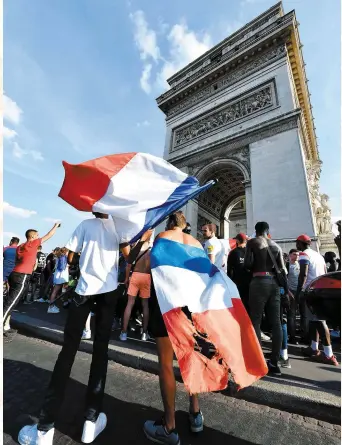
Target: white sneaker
41, 300
92, 429
53, 310
86, 334
145, 336
29, 435
265, 337
123, 336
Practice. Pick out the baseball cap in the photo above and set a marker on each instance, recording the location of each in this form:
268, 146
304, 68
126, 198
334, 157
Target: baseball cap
241, 237
304, 238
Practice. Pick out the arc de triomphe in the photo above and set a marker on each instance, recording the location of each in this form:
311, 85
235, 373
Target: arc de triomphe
241, 113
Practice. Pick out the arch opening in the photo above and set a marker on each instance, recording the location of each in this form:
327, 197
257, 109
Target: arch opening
224, 204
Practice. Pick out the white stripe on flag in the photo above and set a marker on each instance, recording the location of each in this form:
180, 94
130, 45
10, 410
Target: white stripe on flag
129, 194
177, 287
133, 185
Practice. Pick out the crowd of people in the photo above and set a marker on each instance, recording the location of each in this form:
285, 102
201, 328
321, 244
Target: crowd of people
90, 275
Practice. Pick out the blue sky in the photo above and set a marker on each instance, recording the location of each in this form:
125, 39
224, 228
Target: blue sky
81, 78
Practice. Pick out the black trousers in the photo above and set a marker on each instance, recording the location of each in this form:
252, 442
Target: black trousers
264, 293
291, 315
77, 315
40, 282
18, 283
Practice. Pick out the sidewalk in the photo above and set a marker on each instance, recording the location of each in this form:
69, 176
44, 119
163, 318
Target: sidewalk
308, 388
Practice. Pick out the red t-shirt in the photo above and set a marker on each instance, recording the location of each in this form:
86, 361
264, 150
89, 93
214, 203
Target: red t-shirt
26, 256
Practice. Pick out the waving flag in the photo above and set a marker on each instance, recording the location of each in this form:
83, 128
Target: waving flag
184, 276
139, 190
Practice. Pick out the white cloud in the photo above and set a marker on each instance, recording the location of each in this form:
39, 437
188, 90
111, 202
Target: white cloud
145, 78
185, 46
9, 235
146, 41
53, 220
19, 153
145, 38
17, 211
36, 155
143, 124
8, 133
12, 112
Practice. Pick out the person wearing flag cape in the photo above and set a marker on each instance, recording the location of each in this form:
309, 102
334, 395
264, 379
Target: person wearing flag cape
197, 314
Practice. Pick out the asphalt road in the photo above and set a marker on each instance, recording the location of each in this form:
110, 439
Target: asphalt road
304, 372
132, 397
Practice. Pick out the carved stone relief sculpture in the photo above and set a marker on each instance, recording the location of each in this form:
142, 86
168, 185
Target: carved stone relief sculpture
232, 112
323, 216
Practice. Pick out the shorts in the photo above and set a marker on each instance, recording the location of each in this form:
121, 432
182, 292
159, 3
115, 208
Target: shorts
156, 325
140, 283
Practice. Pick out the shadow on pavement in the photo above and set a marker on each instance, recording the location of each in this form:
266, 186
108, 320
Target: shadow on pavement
24, 387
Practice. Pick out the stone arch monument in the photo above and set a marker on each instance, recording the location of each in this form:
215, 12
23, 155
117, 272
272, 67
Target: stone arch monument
241, 113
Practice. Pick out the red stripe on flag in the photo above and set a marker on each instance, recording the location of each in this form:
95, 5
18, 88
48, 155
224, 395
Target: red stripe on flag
232, 334
85, 184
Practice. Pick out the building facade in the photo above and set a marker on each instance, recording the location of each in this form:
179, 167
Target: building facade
241, 114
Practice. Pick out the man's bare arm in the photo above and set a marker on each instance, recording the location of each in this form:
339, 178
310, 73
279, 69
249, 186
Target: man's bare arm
51, 233
211, 257
249, 259
71, 257
125, 250
303, 275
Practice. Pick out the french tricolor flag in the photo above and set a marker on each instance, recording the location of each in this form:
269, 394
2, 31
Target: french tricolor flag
184, 276
139, 190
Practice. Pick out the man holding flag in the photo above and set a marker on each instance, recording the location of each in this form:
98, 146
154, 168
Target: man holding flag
98, 242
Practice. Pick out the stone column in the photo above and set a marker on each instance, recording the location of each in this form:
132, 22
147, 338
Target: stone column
249, 207
226, 228
280, 189
191, 213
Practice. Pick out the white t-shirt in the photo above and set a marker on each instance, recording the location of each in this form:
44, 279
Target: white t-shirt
227, 249
316, 264
213, 246
98, 243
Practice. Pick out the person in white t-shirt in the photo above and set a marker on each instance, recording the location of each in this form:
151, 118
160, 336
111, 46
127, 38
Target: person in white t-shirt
213, 246
312, 266
98, 242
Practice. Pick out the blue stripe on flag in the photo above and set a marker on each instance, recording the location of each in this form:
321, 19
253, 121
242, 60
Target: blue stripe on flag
171, 253
187, 190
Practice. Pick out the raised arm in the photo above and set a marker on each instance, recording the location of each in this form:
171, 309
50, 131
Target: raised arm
51, 233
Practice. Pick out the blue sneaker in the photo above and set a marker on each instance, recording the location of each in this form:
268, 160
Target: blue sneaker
196, 422
156, 432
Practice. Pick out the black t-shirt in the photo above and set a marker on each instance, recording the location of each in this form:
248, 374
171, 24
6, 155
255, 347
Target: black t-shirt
50, 264
41, 258
236, 269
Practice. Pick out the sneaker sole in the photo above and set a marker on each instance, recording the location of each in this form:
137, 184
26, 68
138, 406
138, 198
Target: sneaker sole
153, 439
197, 429
85, 440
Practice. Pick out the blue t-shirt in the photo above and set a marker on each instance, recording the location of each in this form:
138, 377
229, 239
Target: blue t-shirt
9, 261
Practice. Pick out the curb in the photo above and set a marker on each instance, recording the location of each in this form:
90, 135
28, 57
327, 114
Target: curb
285, 396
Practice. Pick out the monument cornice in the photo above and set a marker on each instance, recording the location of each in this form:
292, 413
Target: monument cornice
236, 37
271, 127
227, 61
251, 65
297, 65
